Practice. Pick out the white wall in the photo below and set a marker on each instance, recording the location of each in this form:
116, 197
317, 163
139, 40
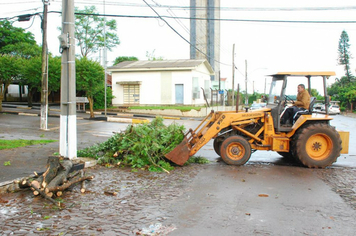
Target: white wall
155, 91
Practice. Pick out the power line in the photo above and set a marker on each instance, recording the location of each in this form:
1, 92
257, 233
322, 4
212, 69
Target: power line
213, 19
228, 8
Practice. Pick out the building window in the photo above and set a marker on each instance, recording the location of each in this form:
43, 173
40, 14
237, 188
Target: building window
131, 94
196, 89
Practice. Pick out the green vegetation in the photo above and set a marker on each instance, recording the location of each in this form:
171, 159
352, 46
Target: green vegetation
7, 163
139, 146
198, 160
344, 89
181, 108
8, 144
89, 31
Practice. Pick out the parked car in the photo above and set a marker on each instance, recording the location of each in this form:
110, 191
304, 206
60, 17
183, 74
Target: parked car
256, 106
318, 107
334, 109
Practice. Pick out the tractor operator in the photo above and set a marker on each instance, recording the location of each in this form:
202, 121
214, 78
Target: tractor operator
302, 103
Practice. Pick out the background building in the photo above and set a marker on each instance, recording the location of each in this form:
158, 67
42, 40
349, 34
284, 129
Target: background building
205, 34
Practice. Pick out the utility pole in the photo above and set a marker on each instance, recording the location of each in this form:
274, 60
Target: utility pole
105, 60
68, 118
233, 75
246, 97
44, 88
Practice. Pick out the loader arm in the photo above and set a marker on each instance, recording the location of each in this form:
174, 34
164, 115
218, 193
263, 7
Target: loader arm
209, 128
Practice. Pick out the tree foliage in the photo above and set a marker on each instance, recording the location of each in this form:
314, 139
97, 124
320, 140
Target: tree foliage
31, 71
343, 91
89, 31
9, 71
124, 58
152, 57
16, 41
89, 79
344, 54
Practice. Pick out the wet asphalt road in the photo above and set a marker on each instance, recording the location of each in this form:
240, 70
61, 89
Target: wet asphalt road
265, 197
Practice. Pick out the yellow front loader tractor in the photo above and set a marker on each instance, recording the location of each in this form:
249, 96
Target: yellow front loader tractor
310, 139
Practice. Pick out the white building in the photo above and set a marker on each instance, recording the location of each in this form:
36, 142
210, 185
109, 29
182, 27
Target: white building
166, 82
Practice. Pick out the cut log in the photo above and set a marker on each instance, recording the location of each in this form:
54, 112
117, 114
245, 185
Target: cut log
82, 187
52, 169
45, 196
24, 183
110, 193
68, 184
61, 176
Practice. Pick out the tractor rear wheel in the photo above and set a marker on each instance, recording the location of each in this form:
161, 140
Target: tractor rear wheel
317, 145
235, 150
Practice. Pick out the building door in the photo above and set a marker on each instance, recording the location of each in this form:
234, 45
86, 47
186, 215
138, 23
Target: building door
131, 94
179, 93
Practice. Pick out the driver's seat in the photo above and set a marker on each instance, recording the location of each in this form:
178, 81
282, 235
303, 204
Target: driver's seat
305, 112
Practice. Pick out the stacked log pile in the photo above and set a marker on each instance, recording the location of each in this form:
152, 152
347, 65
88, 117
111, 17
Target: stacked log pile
57, 178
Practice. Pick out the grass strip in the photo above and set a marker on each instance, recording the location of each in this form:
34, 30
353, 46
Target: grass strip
9, 144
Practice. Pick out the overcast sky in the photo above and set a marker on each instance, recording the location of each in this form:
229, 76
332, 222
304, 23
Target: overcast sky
268, 47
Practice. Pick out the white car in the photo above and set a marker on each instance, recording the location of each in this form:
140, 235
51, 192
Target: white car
334, 109
256, 106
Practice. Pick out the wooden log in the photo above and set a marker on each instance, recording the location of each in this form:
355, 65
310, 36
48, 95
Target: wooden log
68, 184
37, 182
110, 193
45, 196
61, 176
24, 183
53, 166
82, 187
51, 171
71, 176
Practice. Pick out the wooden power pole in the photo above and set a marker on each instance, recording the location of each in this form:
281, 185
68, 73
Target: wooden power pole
233, 75
44, 88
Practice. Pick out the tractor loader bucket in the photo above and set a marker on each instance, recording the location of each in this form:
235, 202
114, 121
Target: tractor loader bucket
180, 154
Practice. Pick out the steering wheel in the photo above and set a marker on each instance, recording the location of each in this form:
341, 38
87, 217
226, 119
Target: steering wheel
286, 98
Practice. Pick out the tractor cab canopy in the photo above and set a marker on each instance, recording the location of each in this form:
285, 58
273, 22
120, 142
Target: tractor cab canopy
285, 83
284, 88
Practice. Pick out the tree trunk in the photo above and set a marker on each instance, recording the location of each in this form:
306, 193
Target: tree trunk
91, 105
2, 93
61, 176
52, 168
1, 98
29, 96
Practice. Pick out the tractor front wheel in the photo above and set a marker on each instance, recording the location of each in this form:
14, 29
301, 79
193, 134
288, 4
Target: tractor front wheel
235, 150
318, 145
217, 144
